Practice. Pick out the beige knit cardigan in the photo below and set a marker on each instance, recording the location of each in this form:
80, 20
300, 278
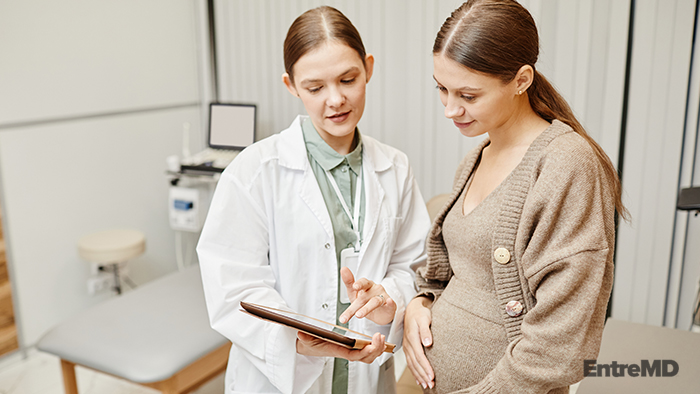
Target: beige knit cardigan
557, 222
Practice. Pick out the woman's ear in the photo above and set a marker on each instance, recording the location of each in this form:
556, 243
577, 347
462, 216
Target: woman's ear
524, 78
369, 66
289, 84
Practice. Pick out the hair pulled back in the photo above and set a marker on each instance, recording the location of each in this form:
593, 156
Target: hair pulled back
313, 28
498, 37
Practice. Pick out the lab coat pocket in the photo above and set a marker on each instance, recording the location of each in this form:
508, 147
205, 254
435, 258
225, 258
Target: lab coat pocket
387, 377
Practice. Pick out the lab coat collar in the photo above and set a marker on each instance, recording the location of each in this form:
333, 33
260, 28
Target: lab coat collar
374, 159
326, 156
293, 139
373, 156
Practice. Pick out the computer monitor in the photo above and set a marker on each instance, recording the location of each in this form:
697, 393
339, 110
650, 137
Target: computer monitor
231, 126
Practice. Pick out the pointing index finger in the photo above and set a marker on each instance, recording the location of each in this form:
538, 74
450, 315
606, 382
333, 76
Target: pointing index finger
363, 284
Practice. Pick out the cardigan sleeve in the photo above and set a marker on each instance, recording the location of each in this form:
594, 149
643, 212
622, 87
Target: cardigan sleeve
565, 246
428, 287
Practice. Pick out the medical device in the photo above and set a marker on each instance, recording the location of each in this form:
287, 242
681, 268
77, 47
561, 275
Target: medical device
231, 129
188, 207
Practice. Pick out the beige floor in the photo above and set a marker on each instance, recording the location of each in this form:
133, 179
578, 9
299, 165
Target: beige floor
40, 373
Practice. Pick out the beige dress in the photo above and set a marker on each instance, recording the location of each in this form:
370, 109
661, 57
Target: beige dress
551, 232
469, 297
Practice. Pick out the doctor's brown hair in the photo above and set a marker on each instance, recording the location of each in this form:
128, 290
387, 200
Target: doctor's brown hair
313, 28
498, 37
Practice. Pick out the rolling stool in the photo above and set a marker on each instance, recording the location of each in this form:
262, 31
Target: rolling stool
108, 249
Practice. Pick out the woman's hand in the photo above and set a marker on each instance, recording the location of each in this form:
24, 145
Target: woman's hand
368, 299
311, 346
416, 334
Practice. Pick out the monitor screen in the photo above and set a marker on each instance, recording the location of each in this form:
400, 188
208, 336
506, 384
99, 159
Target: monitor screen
231, 126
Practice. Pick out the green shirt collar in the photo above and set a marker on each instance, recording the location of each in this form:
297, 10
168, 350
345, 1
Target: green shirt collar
326, 156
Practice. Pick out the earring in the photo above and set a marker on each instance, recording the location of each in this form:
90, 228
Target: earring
520, 92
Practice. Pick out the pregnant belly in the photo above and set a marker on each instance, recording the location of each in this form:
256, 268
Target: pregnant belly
465, 348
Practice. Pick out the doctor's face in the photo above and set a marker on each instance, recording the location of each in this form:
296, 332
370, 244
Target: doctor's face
330, 80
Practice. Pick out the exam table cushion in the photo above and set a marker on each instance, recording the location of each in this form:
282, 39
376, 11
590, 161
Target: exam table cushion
146, 335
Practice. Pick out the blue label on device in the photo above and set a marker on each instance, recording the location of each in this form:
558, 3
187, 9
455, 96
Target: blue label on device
183, 205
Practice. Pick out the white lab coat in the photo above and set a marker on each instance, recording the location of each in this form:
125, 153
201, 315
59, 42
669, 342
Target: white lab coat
268, 239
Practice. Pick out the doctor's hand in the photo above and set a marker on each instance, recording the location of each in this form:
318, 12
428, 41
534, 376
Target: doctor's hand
309, 345
368, 299
416, 335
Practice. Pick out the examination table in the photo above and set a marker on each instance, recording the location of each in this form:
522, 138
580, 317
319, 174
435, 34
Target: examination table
157, 335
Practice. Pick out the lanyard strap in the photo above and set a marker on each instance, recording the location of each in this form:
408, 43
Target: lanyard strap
355, 217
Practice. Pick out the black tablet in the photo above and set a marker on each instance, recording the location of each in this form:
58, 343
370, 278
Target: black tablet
317, 328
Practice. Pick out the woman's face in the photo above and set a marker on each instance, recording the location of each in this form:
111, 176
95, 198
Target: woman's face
330, 80
477, 103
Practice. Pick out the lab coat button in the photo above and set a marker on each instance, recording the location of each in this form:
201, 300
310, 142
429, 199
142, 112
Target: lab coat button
324, 306
327, 246
514, 308
502, 255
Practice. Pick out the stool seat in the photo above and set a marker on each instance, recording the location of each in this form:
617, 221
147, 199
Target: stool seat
112, 246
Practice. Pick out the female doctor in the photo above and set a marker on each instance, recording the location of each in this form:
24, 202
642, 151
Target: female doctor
294, 208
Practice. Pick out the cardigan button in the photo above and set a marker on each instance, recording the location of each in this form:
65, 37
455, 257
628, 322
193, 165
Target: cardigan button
514, 308
327, 246
502, 255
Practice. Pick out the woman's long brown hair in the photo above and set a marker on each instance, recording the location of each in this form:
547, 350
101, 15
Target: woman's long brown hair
498, 37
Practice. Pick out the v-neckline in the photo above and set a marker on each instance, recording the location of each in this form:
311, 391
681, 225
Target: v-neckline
527, 154
465, 189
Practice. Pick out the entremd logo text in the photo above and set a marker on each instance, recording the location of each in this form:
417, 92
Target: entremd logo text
655, 368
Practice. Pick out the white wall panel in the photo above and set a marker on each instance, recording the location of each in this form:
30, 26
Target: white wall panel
583, 53
56, 191
73, 58
565, 50
606, 107
93, 96
659, 83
